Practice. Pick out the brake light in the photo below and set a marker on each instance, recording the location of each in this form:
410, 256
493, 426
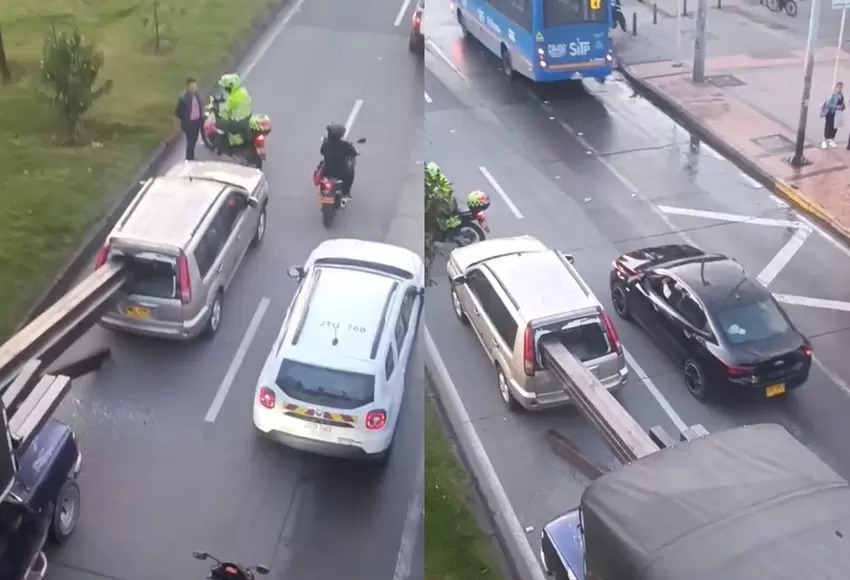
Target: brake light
481, 217
102, 255
528, 351
184, 281
613, 337
327, 186
266, 398
417, 20
740, 371
807, 350
376, 419
260, 140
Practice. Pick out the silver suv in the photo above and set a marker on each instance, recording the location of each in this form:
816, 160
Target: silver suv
182, 239
513, 292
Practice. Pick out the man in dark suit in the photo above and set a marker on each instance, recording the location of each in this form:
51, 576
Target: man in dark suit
190, 110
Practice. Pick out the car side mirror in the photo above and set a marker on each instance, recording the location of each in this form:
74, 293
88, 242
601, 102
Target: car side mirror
262, 570
252, 202
361, 140
296, 272
569, 258
458, 280
200, 555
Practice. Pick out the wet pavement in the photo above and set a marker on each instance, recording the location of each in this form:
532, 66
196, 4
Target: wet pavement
594, 171
158, 481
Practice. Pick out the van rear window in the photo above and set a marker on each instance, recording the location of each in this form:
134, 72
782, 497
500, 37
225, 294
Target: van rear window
587, 340
153, 278
324, 386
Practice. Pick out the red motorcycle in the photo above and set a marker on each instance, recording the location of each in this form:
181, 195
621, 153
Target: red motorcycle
252, 153
228, 570
331, 199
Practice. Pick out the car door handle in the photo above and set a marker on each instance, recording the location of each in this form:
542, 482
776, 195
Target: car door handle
476, 312
495, 341
219, 269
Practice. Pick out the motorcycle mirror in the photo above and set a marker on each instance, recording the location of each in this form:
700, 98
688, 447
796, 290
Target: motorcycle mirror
457, 280
569, 258
262, 570
252, 201
361, 140
295, 272
200, 555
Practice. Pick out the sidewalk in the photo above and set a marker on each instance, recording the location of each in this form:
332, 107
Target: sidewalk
749, 108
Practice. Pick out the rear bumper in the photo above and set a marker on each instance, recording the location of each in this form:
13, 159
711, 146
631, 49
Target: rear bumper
791, 382
281, 432
538, 401
188, 330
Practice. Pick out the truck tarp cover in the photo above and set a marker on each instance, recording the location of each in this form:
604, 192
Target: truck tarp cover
750, 503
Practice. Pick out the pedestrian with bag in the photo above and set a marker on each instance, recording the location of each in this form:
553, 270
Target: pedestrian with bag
832, 113
189, 111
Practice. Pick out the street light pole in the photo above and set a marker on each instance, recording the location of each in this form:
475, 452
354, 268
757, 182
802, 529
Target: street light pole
798, 160
699, 42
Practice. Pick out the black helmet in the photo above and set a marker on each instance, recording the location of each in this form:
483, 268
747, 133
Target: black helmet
336, 131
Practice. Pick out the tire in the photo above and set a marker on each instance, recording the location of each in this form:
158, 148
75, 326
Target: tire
206, 139
457, 307
469, 234
620, 299
260, 232
773, 5
66, 512
328, 212
693, 373
463, 29
216, 314
791, 8
505, 392
507, 65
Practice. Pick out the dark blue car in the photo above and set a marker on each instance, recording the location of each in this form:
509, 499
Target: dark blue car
561, 551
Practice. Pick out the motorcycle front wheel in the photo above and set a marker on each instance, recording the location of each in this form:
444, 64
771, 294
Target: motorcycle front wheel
469, 234
207, 139
328, 212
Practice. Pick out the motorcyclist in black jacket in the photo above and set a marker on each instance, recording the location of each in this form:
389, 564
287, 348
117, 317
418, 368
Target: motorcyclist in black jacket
337, 154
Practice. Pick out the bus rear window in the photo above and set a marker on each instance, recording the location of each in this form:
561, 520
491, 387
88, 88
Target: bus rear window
561, 12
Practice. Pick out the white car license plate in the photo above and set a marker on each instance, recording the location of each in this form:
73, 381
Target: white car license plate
317, 427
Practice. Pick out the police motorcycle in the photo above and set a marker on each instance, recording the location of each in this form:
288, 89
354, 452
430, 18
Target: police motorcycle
467, 227
331, 198
251, 153
228, 570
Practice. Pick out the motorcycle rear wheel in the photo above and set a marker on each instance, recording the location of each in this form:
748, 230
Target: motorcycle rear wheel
328, 213
469, 234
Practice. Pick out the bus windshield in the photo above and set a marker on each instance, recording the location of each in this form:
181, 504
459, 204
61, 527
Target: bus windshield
561, 12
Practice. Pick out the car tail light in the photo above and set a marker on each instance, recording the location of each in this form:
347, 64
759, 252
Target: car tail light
807, 350
376, 419
613, 337
184, 280
102, 255
740, 371
528, 356
266, 398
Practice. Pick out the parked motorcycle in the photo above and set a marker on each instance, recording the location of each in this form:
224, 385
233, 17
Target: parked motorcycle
331, 199
251, 153
473, 227
228, 570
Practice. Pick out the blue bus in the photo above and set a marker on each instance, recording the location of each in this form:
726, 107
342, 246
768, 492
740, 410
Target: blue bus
543, 40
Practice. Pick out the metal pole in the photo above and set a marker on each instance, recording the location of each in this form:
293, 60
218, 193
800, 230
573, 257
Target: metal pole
699, 42
798, 160
840, 44
678, 62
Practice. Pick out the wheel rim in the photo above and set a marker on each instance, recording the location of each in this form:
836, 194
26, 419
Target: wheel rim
66, 515
261, 226
466, 236
791, 8
456, 304
503, 388
694, 379
215, 317
618, 297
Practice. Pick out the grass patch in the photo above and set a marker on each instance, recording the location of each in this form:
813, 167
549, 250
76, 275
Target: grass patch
50, 195
455, 546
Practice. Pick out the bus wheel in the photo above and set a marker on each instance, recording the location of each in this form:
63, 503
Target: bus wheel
507, 68
463, 29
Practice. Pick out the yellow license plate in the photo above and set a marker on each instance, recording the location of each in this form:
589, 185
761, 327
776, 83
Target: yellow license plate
774, 390
138, 312
327, 200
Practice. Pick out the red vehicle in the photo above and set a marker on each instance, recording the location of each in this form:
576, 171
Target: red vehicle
330, 191
252, 153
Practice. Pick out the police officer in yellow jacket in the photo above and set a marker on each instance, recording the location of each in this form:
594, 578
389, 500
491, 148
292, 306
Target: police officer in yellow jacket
234, 114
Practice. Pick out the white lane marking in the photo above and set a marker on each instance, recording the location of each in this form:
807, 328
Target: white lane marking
826, 235
428, 98
495, 185
410, 531
259, 52
841, 383
822, 303
750, 181
352, 116
656, 394
436, 50
450, 398
401, 11
238, 357
728, 217
784, 256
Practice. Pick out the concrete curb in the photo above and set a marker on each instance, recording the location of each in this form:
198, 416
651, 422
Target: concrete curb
778, 187
521, 558
80, 259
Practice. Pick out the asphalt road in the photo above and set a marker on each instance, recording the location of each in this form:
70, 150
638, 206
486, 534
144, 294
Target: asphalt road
595, 172
158, 481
